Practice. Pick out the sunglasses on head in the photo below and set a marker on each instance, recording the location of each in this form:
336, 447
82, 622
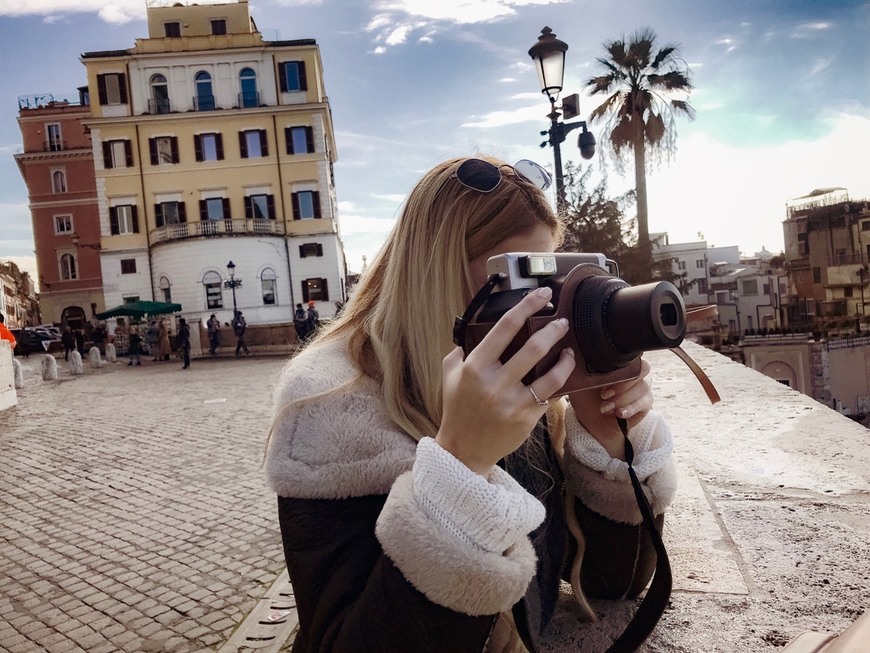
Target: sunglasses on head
484, 177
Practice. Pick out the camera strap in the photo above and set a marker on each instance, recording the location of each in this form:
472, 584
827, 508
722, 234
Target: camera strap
656, 599
476, 304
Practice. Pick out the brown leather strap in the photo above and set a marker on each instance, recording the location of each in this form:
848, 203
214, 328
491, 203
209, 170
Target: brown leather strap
705, 381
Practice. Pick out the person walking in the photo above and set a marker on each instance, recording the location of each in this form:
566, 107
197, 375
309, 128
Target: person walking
153, 338
239, 328
313, 319
300, 321
214, 327
135, 345
184, 342
68, 342
5, 333
163, 337
80, 341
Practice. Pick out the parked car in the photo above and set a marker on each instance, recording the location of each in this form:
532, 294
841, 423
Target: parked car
32, 341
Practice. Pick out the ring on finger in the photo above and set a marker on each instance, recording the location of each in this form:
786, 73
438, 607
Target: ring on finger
538, 400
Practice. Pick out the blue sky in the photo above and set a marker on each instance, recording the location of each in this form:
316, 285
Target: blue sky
782, 97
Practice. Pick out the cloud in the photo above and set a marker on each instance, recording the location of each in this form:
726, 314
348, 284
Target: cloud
111, 11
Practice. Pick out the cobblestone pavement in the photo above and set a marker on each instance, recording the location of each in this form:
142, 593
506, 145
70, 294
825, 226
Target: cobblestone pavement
133, 510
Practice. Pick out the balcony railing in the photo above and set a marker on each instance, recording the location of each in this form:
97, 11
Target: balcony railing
159, 105
249, 100
208, 228
204, 103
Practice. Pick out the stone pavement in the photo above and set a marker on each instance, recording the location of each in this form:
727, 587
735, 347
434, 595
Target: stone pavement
134, 512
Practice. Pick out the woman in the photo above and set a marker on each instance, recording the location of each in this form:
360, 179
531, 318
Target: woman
163, 337
421, 495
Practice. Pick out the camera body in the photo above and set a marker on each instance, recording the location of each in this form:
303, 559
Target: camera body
610, 322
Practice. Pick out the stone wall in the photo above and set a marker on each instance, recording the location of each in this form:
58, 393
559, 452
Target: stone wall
8, 395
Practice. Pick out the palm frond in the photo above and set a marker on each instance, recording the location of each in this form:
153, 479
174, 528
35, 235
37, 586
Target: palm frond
663, 56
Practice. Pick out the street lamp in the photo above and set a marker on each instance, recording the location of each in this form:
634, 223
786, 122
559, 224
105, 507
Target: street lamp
232, 283
76, 241
549, 57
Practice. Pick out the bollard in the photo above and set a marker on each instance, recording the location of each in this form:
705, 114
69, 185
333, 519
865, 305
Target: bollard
95, 358
49, 368
19, 374
111, 356
75, 363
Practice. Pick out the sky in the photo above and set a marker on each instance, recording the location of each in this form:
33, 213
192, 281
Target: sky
782, 95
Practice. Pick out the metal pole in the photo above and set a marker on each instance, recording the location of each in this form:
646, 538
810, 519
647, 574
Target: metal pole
556, 137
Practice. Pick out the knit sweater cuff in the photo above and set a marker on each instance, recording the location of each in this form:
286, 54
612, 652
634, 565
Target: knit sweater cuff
491, 513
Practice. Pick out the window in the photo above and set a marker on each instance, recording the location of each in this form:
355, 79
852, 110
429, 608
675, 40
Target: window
112, 88
838, 222
817, 275
848, 291
865, 225
268, 283
699, 264
306, 205
68, 267
314, 289
702, 286
164, 149
681, 265
214, 208
310, 249
128, 266
750, 287
166, 289
291, 76
52, 137
248, 97
58, 181
63, 224
253, 144
172, 30
167, 213
204, 99
123, 219
260, 207
218, 26
208, 147
117, 154
159, 102
213, 295
300, 140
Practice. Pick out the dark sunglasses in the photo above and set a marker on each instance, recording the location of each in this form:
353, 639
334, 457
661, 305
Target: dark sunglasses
484, 177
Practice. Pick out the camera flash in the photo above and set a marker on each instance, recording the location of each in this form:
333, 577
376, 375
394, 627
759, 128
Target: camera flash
541, 266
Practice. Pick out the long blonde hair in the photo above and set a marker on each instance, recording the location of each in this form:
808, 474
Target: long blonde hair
399, 321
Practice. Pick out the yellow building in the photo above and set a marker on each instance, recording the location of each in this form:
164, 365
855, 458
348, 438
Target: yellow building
213, 145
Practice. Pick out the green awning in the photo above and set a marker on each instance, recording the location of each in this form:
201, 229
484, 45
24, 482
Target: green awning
140, 309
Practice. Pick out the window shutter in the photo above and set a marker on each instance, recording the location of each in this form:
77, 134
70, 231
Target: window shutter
319, 249
122, 88
152, 148
302, 251
264, 143
107, 155
174, 143
197, 147
219, 146
304, 292
288, 139
325, 297
315, 199
249, 208
295, 198
282, 76
113, 220
158, 215
128, 153
203, 210
226, 205
134, 213
270, 206
182, 212
243, 145
309, 138
303, 81
101, 89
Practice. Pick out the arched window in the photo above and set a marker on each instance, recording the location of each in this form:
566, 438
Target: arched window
166, 289
248, 97
204, 96
68, 267
213, 296
159, 95
268, 281
58, 182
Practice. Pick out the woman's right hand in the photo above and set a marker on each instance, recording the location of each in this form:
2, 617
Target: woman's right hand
488, 412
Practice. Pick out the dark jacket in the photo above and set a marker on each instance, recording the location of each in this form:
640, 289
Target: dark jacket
363, 559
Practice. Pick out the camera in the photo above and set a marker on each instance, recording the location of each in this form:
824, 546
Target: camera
610, 322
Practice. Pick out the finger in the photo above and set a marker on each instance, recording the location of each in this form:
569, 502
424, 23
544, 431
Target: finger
538, 345
637, 399
610, 391
499, 337
547, 384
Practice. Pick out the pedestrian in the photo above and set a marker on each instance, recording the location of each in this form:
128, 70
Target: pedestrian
163, 337
184, 342
239, 328
68, 341
135, 346
98, 336
121, 339
423, 494
300, 321
313, 319
214, 327
80, 340
5, 333
153, 338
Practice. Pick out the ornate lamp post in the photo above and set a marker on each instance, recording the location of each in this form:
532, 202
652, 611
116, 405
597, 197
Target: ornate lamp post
232, 283
549, 57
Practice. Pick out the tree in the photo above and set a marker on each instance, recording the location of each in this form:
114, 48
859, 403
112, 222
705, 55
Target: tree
646, 88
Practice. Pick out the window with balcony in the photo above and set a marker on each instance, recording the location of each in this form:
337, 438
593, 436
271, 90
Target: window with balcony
268, 283
218, 26
300, 140
208, 147
112, 88
204, 100
172, 30
214, 208
159, 102
260, 207
168, 213
306, 205
68, 270
248, 96
213, 284
128, 266
123, 219
53, 140
314, 289
292, 77
117, 154
163, 149
63, 224
310, 249
253, 144
58, 181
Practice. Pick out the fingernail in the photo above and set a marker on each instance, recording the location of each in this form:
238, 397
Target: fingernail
624, 413
545, 292
570, 352
562, 322
607, 393
607, 407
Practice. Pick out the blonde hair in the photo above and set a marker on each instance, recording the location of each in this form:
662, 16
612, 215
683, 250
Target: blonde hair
399, 321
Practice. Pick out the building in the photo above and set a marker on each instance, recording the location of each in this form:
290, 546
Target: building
18, 301
57, 165
690, 263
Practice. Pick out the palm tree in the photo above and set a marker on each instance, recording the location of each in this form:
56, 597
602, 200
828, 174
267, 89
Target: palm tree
647, 88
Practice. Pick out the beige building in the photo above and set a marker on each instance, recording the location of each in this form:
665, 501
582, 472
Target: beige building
213, 145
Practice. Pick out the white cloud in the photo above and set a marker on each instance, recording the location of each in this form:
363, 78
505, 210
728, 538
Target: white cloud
111, 11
